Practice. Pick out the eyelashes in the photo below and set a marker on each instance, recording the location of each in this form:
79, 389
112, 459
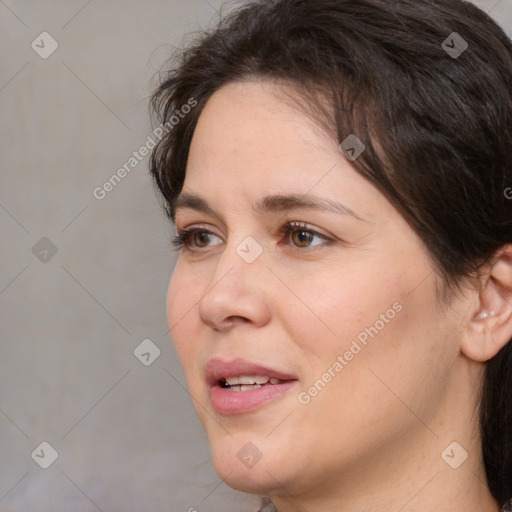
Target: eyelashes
302, 235
185, 238
298, 235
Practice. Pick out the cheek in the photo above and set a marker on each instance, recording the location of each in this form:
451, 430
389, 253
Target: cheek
183, 296
367, 324
337, 308
176, 299
390, 348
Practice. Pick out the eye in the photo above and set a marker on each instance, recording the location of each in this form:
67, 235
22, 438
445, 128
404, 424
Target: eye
195, 239
302, 236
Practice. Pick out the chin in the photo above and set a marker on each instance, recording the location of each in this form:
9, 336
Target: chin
247, 463
256, 480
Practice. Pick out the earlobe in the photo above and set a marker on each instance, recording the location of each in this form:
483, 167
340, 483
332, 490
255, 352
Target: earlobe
489, 328
484, 315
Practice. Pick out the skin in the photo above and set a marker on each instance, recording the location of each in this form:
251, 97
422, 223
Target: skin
373, 438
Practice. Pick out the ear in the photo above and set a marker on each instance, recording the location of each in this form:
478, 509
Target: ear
490, 324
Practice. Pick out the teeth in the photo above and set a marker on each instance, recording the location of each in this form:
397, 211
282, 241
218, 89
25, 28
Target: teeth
247, 382
244, 387
247, 387
248, 379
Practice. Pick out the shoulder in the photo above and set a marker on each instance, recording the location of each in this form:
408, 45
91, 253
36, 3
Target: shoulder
507, 507
266, 506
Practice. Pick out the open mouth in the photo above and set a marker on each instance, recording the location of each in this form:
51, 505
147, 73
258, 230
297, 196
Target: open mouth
240, 386
247, 382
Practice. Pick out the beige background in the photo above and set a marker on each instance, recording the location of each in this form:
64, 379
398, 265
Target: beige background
126, 434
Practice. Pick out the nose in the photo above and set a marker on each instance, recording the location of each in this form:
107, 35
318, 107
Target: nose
237, 293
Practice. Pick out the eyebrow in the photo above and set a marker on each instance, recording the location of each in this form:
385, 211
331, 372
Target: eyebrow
272, 203
280, 203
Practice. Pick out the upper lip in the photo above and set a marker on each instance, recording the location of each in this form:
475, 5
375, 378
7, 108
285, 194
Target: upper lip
218, 369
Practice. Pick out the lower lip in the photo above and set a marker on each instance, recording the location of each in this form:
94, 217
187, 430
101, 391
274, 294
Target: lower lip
229, 402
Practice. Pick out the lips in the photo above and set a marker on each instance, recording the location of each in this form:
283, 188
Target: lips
217, 369
239, 386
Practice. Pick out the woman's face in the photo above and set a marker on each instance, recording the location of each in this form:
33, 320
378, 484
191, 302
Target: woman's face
296, 268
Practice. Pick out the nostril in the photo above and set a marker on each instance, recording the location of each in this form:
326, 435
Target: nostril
237, 319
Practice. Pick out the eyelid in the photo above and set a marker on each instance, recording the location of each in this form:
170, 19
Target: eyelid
198, 226
291, 226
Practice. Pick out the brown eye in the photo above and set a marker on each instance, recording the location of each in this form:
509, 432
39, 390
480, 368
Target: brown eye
302, 238
195, 239
201, 238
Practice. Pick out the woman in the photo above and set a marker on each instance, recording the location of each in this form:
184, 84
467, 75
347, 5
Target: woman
342, 299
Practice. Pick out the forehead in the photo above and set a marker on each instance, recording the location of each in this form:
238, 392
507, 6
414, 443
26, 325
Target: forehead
250, 143
248, 128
